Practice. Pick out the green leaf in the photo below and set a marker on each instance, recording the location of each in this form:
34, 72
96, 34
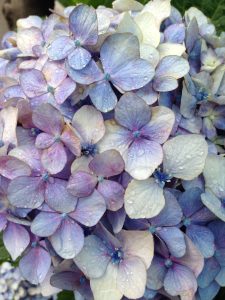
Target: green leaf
4, 255
65, 295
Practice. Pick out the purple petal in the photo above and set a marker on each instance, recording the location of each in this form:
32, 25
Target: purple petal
133, 75
147, 93
33, 83
218, 229
220, 277
175, 33
165, 84
117, 219
113, 194
108, 163
12, 167
44, 140
54, 73
82, 184
142, 158
16, 239
171, 214
113, 49
89, 124
210, 291
156, 273
45, 224
84, 25
172, 66
132, 112
190, 201
64, 90
70, 139
203, 239
103, 96
179, 280
35, 264
55, 192
48, 119
160, 125
174, 239
209, 272
3, 221
89, 210
93, 258
68, 240
91, 73
26, 192
27, 39
60, 48
79, 58
54, 158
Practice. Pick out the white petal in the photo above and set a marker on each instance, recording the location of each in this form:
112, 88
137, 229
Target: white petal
143, 199
160, 9
166, 49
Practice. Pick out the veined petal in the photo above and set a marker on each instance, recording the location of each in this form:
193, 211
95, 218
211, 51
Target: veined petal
184, 156
33, 83
160, 9
172, 66
45, 223
70, 140
79, 58
169, 49
64, 90
142, 158
214, 204
28, 38
82, 184
143, 199
127, 24
156, 273
44, 140
60, 48
11, 167
113, 193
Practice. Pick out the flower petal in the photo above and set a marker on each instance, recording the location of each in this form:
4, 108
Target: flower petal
142, 158
160, 125
70, 139
45, 224
214, 204
143, 199
156, 273
26, 192
35, 264
55, 192
11, 167
33, 83
172, 66
89, 124
103, 96
113, 193
190, 201
79, 58
210, 270
89, 210
82, 184
184, 156
84, 25
132, 277
28, 38
132, 112
16, 239
44, 140
93, 258
68, 240
60, 48
64, 90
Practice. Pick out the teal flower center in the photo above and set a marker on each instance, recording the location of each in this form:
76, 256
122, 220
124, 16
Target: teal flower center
187, 222
152, 229
168, 263
89, 149
50, 89
45, 177
77, 43
100, 178
136, 134
117, 256
107, 76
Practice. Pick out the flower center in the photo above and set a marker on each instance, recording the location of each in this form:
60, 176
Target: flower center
77, 43
187, 222
161, 177
168, 263
202, 94
100, 178
117, 256
82, 280
136, 134
35, 131
64, 215
45, 177
50, 89
1, 143
57, 139
107, 76
33, 244
152, 229
89, 149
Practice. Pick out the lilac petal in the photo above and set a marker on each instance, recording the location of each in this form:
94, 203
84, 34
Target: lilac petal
147, 93
89, 124
14, 91
93, 258
103, 97
44, 140
91, 73
209, 292
45, 223
68, 240
220, 277
108, 163
203, 239
171, 214
54, 73
190, 201
179, 280
16, 239
33, 83
117, 219
156, 273
35, 264
133, 75
3, 221
48, 119
64, 90
60, 48
27, 39
218, 229
213, 204
220, 256
131, 278
113, 194
175, 33
113, 49
165, 84
84, 25
54, 193
172, 66
160, 125
82, 184
89, 210
54, 158
11, 167
79, 58
209, 272
26, 192
193, 259
142, 158
70, 139
174, 239
132, 112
